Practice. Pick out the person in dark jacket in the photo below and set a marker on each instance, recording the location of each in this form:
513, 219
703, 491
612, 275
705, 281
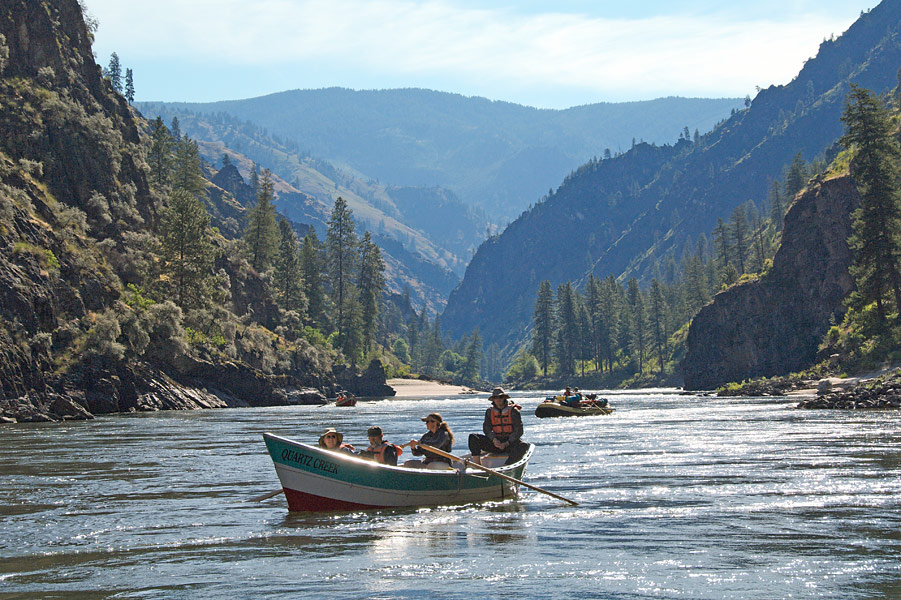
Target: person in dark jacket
438, 436
502, 430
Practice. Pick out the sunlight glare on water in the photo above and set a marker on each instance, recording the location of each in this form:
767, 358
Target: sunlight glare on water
680, 497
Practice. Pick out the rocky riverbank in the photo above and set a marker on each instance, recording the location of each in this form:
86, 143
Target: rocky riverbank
108, 388
881, 393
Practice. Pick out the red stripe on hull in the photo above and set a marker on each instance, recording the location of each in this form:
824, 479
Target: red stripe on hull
302, 501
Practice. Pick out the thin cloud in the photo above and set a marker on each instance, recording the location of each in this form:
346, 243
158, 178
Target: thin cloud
480, 49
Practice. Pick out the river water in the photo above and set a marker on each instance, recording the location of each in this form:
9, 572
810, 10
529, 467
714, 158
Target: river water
680, 497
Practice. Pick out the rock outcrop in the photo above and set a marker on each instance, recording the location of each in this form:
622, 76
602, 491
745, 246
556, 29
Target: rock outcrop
883, 393
773, 326
370, 382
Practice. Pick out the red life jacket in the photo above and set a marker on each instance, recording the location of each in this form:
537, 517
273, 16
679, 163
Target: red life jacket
379, 451
502, 420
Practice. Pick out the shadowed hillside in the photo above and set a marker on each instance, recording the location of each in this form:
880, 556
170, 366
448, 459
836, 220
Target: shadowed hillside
622, 216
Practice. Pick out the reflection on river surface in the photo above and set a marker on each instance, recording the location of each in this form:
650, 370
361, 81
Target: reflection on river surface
680, 497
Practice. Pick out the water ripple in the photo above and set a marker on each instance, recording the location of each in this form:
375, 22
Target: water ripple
680, 497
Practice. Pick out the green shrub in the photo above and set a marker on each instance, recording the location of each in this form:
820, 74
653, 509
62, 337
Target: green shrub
134, 297
167, 337
401, 350
133, 330
4, 53
315, 336
102, 338
256, 349
45, 257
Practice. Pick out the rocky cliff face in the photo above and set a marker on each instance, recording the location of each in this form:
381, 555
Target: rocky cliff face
772, 326
76, 216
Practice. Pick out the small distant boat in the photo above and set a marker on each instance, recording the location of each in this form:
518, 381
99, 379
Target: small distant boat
345, 399
315, 479
554, 407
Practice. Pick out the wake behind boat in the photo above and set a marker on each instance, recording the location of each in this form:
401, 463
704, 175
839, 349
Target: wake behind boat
315, 479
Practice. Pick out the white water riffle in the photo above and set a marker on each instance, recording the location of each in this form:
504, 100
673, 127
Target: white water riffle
680, 497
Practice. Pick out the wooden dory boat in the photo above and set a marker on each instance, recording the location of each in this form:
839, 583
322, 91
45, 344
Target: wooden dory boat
551, 408
315, 479
345, 400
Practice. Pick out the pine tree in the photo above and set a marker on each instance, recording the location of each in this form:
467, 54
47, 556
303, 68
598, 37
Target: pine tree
593, 295
341, 246
493, 364
777, 205
877, 223
261, 235
114, 72
696, 288
414, 339
288, 271
186, 251
608, 317
175, 129
721, 241
186, 172
738, 226
637, 322
795, 177
432, 344
658, 321
129, 86
472, 364
759, 245
255, 179
543, 320
372, 282
567, 334
160, 154
585, 348
311, 267
351, 342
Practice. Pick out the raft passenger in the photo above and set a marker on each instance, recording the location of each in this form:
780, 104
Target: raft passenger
438, 436
333, 440
502, 430
379, 450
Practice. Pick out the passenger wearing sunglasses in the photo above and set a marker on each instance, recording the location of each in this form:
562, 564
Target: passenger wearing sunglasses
331, 439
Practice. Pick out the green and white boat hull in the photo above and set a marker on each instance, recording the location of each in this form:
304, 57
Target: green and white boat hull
315, 479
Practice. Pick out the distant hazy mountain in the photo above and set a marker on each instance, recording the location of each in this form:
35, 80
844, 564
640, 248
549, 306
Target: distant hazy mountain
495, 155
427, 234
622, 216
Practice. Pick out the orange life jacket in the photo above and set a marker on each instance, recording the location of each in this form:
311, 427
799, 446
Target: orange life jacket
379, 451
502, 420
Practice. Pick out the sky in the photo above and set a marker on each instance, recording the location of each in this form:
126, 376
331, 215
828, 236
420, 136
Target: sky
536, 53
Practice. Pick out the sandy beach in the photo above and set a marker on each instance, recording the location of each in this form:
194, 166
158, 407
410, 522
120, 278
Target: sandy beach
409, 388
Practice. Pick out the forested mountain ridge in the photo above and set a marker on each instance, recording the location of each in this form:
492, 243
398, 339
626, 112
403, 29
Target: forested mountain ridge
95, 315
668, 206
495, 155
431, 233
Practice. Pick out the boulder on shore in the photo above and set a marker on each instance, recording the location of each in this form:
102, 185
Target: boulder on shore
882, 393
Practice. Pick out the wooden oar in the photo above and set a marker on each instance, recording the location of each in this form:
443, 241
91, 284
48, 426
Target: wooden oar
466, 461
266, 496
